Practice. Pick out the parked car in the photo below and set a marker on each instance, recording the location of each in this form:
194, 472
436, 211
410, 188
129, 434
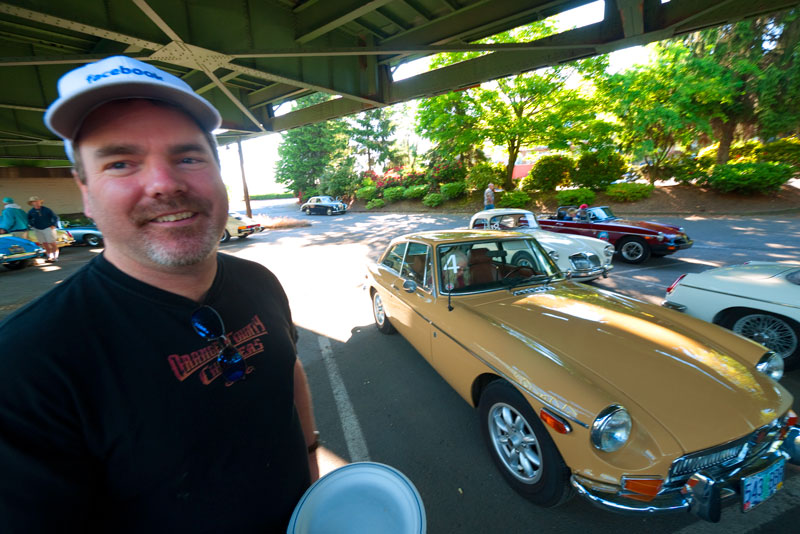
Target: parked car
235, 227
634, 240
584, 258
87, 234
17, 253
637, 408
249, 221
759, 300
323, 205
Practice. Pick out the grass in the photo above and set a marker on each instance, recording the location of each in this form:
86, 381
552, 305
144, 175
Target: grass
271, 196
281, 223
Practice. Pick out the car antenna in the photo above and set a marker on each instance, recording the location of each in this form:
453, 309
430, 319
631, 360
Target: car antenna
449, 292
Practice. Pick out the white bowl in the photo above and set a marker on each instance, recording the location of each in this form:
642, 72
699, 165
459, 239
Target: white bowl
363, 497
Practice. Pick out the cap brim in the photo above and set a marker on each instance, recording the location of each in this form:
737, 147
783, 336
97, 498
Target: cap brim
65, 116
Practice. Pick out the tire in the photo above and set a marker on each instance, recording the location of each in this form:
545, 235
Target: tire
523, 259
633, 249
517, 441
93, 240
17, 265
307, 211
329, 211
226, 236
775, 332
245, 236
381, 320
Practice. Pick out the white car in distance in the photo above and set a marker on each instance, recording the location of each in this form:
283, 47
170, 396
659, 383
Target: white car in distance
584, 258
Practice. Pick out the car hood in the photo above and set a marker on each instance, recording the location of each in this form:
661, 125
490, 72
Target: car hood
649, 225
656, 359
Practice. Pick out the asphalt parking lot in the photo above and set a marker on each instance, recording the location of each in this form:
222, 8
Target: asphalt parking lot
397, 410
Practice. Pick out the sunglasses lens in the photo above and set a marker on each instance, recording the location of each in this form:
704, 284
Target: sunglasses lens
207, 322
232, 364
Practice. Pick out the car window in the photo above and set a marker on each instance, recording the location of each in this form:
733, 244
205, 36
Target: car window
503, 222
480, 224
394, 258
491, 264
417, 265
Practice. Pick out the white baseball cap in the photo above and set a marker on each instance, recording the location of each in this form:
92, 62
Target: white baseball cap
82, 90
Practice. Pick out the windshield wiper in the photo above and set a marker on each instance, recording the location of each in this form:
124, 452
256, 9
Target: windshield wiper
516, 282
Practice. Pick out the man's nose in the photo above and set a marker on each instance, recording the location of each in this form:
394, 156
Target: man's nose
163, 179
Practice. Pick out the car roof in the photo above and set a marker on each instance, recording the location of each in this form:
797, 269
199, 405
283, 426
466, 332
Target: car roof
438, 237
503, 211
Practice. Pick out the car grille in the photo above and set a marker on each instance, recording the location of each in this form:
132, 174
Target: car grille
722, 458
583, 262
680, 240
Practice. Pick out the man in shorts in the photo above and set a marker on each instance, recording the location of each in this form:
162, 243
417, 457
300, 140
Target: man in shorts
44, 223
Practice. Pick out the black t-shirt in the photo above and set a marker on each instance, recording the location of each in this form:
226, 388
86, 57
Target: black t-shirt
114, 416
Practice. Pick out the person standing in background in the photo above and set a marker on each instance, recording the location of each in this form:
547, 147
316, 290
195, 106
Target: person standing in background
14, 219
44, 221
488, 197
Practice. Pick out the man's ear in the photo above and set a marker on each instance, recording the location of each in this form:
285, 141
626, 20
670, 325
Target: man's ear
84, 193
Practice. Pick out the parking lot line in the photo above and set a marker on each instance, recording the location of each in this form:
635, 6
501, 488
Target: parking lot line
356, 444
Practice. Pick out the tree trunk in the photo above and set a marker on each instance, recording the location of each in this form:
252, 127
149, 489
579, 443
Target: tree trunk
726, 130
513, 152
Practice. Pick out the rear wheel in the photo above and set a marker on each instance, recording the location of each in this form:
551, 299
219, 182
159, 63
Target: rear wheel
329, 211
777, 333
307, 211
521, 447
633, 249
92, 240
381, 321
226, 236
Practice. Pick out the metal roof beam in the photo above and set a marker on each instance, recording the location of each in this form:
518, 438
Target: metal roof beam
324, 17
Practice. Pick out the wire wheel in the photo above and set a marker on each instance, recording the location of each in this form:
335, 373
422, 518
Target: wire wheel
769, 330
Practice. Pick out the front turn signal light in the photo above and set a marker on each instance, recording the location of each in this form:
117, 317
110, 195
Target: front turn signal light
642, 488
556, 423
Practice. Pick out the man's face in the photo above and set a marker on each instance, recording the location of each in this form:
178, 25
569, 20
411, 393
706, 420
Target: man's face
152, 185
37, 204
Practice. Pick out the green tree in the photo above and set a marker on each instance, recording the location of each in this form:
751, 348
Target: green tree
751, 74
534, 108
371, 133
308, 153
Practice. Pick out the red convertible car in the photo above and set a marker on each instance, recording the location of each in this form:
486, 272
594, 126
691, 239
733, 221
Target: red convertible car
635, 241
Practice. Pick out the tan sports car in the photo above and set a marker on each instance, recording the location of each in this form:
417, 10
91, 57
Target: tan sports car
635, 407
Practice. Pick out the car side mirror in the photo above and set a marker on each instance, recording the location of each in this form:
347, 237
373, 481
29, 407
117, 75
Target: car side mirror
409, 286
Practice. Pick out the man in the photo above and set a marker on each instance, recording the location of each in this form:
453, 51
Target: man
488, 197
171, 399
14, 220
44, 223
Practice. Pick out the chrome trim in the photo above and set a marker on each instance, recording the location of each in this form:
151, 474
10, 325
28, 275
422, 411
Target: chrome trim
512, 381
674, 499
673, 305
791, 445
741, 297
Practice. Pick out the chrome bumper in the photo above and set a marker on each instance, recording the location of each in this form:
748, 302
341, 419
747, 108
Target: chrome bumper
702, 495
590, 274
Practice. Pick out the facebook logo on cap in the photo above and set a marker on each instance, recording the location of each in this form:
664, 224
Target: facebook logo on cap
123, 70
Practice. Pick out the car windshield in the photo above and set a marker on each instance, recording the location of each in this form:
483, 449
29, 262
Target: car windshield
493, 264
601, 214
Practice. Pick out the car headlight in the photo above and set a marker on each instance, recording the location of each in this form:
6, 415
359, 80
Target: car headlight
608, 251
771, 364
553, 254
611, 428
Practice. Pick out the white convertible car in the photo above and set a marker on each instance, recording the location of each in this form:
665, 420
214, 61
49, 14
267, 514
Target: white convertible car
583, 258
758, 300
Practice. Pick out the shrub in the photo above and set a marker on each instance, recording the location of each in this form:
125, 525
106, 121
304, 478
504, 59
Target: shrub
375, 203
367, 193
598, 171
415, 191
786, 150
514, 199
568, 197
453, 190
413, 177
747, 177
629, 192
548, 173
481, 175
432, 199
446, 172
687, 169
393, 194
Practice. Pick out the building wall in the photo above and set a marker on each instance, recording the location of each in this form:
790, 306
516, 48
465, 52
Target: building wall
55, 186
